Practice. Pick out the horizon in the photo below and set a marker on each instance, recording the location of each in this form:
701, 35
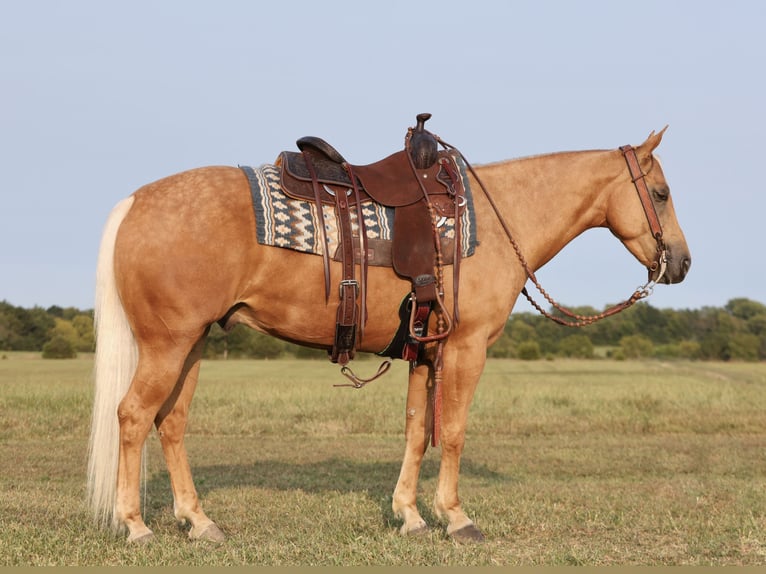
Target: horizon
529, 309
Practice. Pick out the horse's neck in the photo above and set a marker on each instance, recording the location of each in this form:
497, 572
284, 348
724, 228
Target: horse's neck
551, 199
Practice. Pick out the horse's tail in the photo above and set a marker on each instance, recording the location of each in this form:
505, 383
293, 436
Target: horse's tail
115, 365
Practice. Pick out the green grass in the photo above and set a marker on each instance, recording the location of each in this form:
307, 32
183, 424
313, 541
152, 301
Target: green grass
566, 462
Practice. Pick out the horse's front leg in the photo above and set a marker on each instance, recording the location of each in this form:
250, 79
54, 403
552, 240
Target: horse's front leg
416, 432
463, 365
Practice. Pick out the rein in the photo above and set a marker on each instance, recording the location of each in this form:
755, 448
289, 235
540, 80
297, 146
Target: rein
570, 318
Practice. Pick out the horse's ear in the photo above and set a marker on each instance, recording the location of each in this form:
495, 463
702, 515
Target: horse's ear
651, 142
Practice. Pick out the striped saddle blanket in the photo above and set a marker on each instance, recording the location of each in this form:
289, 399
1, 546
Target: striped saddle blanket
282, 221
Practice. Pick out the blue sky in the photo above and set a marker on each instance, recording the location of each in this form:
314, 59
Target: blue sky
99, 98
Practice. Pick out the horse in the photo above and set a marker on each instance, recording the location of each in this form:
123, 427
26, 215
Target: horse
181, 253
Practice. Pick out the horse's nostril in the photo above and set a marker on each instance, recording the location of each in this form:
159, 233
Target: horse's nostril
686, 263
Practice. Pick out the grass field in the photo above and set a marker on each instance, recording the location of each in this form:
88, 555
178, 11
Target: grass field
566, 462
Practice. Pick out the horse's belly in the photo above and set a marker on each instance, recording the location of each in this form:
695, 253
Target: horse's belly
287, 299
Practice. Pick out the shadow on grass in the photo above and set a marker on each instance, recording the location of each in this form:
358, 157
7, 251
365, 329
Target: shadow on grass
375, 478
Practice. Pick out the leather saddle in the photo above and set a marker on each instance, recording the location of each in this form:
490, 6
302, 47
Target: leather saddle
389, 182
419, 183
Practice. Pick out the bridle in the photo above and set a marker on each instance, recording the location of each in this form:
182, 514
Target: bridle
639, 180
656, 270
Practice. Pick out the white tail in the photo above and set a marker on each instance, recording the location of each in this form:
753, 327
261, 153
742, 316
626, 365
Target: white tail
115, 365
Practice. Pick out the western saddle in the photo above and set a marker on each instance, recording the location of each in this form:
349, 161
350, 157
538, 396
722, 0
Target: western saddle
422, 185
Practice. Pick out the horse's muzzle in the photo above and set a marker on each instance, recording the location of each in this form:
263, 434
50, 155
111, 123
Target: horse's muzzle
678, 265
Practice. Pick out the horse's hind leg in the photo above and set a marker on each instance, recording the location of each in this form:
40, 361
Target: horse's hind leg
417, 432
171, 427
160, 366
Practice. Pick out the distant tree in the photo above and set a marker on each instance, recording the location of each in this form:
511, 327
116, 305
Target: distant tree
65, 329
716, 329
217, 343
577, 346
756, 324
35, 328
502, 348
743, 308
10, 325
265, 346
650, 322
689, 349
55, 311
59, 347
83, 325
242, 342
520, 328
744, 346
528, 351
69, 313
636, 347
715, 346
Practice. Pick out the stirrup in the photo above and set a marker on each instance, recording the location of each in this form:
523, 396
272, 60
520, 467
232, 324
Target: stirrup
437, 336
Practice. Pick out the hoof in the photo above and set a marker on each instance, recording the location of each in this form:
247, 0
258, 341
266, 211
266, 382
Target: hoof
210, 534
142, 539
419, 529
418, 532
468, 534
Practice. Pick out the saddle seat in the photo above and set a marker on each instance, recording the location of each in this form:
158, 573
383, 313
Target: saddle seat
389, 182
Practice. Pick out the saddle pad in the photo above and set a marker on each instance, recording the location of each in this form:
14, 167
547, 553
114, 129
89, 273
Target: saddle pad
294, 224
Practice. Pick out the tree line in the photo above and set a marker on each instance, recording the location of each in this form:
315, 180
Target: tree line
736, 331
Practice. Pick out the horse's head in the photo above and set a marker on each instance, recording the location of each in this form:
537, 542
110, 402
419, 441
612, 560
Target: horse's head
630, 217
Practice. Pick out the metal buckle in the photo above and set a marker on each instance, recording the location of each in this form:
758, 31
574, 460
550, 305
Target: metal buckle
348, 283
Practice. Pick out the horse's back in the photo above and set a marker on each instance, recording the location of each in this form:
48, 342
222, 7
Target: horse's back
199, 199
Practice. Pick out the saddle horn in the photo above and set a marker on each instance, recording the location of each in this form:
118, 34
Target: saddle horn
422, 144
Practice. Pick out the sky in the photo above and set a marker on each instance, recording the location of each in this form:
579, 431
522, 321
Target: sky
99, 98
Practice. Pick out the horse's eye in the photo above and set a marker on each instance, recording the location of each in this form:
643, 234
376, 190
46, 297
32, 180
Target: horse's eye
661, 193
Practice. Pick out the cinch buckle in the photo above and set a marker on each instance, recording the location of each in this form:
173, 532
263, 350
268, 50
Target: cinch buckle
348, 283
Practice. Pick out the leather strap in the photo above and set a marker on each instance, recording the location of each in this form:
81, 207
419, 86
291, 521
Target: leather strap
639, 181
345, 322
320, 218
364, 254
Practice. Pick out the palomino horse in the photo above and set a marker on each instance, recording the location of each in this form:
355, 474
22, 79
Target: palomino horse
181, 253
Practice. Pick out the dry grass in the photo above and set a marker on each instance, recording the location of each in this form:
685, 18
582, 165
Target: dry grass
566, 462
